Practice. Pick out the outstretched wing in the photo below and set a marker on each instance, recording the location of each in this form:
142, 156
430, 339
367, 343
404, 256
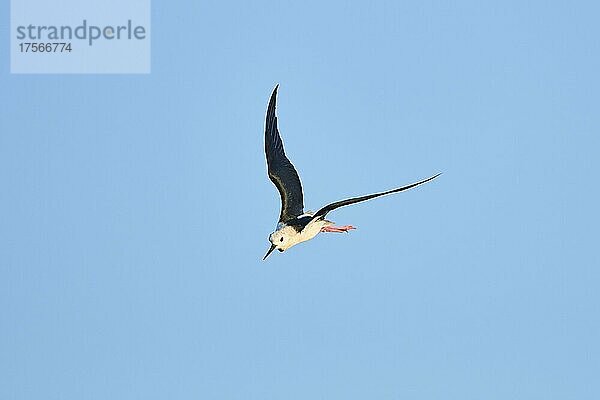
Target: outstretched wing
330, 207
281, 171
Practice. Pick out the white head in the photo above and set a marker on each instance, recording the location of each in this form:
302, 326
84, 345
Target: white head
282, 239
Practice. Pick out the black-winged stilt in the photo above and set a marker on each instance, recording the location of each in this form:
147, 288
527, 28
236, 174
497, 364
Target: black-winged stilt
296, 226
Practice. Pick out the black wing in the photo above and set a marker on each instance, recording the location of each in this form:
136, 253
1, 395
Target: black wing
281, 171
330, 207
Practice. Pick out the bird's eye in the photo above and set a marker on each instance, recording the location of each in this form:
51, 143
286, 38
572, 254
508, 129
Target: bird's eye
281, 240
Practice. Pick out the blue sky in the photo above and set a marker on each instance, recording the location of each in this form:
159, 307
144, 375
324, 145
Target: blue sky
135, 209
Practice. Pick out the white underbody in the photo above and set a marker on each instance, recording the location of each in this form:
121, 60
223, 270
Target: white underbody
292, 238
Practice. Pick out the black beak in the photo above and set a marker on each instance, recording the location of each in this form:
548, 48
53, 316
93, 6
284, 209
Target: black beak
269, 252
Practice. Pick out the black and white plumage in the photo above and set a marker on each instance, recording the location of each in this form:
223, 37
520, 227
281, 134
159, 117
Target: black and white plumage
296, 226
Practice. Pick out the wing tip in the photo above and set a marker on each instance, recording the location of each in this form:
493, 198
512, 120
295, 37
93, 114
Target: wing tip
273, 99
428, 179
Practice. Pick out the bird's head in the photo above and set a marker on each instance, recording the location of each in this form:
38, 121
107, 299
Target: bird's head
282, 239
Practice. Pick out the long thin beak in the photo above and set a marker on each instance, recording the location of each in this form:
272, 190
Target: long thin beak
269, 252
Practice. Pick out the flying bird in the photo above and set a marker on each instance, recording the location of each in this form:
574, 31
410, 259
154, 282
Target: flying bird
296, 226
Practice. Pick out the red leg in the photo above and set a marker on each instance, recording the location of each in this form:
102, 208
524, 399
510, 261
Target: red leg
337, 229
